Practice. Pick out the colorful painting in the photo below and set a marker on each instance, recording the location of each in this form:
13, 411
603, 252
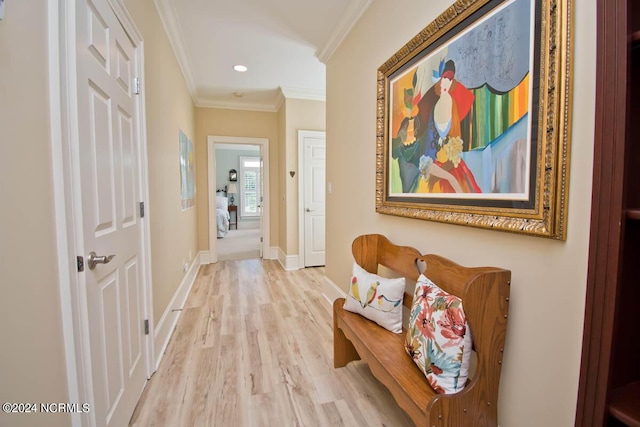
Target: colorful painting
459, 118
187, 172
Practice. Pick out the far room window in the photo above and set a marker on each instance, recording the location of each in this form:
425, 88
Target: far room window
250, 186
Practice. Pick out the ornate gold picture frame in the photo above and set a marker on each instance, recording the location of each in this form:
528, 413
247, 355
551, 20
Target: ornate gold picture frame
474, 115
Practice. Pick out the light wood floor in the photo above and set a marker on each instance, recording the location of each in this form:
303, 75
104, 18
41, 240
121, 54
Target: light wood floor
254, 347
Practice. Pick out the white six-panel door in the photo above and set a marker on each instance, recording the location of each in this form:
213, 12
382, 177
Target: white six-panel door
312, 199
110, 182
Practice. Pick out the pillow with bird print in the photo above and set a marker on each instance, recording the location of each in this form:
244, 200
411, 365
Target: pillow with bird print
438, 338
377, 298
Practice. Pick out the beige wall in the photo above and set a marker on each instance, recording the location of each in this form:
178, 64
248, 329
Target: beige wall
169, 109
32, 364
300, 115
542, 355
237, 123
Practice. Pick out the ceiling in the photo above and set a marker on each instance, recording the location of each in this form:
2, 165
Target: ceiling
284, 44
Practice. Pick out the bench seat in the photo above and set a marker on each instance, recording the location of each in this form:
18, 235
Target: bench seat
395, 369
485, 295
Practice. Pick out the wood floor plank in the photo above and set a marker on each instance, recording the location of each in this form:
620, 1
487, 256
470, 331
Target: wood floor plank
211, 322
351, 416
329, 415
298, 393
254, 347
201, 411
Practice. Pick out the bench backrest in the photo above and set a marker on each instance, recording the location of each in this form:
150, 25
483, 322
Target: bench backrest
372, 250
484, 292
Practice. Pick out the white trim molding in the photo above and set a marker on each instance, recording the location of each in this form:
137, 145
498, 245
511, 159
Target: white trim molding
244, 106
350, 17
300, 93
171, 25
279, 100
166, 325
62, 205
284, 92
288, 262
331, 291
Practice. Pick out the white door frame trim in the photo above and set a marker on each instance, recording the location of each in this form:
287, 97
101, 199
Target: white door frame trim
302, 134
64, 124
212, 140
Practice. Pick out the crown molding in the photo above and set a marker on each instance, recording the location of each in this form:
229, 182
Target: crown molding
282, 94
351, 15
280, 99
301, 93
230, 105
171, 26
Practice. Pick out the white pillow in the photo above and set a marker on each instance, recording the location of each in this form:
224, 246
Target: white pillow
221, 202
376, 298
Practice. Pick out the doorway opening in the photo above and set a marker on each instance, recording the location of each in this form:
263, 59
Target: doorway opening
238, 198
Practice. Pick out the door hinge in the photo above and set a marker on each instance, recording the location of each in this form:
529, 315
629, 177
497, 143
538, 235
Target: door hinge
136, 85
80, 263
146, 326
141, 209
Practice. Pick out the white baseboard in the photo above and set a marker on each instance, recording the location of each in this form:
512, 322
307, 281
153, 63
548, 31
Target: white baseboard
162, 332
331, 291
288, 262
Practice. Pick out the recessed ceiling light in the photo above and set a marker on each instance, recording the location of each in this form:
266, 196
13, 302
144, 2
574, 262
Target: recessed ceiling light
240, 68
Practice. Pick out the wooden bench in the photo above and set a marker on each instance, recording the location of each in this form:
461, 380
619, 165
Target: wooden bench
485, 295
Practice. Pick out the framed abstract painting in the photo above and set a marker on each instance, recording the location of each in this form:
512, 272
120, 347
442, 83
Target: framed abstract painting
187, 172
473, 119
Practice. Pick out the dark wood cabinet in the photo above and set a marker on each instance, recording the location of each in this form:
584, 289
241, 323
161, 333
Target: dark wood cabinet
609, 390
623, 398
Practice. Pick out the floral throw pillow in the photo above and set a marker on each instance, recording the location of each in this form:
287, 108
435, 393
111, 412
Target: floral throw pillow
438, 338
377, 298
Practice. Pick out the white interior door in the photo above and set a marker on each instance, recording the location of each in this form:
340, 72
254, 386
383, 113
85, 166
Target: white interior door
313, 196
110, 180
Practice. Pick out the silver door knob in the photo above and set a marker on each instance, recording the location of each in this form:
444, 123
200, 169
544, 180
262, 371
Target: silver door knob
93, 260
309, 210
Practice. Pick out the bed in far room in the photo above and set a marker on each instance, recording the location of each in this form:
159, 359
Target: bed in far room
222, 215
